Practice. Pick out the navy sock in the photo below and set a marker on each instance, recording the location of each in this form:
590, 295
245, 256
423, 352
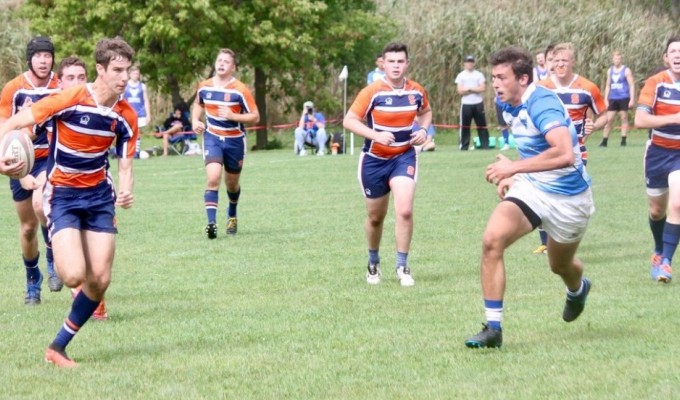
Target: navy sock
32, 270
373, 256
48, 244
671, 237
506, 135
233, 202
657, 233
210, 198
401, 259
81, 310
544, 236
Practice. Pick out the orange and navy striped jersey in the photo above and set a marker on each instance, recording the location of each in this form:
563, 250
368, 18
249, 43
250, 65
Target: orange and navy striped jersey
83, 133
386, 109
579, 96
234, 95
661, 96
20, 93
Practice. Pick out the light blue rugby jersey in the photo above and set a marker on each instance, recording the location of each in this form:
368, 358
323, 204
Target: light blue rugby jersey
541, 110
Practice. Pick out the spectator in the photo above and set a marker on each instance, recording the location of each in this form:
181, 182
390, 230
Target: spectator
378, 72
619, 95
311, 130
136, 94
470, 85
429, 139
175, 125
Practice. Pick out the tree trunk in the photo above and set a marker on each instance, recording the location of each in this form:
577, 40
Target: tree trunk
173, 86
261, 101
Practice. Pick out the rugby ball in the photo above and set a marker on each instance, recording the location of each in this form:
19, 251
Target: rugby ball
18, 146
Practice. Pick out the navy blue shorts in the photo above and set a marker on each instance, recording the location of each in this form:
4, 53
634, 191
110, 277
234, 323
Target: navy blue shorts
21, 194
229, 152
659, 163
375, 173
90, 209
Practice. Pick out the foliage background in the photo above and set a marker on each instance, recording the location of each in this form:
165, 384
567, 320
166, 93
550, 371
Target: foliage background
439, 33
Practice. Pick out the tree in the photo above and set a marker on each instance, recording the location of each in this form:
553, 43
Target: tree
291, 45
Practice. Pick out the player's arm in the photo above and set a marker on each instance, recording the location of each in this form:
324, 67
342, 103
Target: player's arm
147, 105
20, 120
252, 117
424, 119
196, 113
607, 89
125, 198
631, 87
559, 155
354, 123
646, 120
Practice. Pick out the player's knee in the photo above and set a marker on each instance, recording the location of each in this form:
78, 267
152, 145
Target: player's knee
405, 214
29, 229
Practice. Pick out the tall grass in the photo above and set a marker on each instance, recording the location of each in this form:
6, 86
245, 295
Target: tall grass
440, 33
282, 310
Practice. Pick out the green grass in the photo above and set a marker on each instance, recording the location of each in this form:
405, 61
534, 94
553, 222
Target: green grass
282, 310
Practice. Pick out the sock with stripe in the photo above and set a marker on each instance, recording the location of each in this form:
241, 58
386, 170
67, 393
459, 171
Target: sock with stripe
210, 198
494, 313
32, 270
81, 310
233, 202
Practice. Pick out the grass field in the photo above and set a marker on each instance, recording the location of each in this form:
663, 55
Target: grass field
282, 310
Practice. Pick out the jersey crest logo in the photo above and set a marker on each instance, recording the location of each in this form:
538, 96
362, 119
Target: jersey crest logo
666, 93
114, 124
411, 99
84, 120
388, 101
208, 95
574, 98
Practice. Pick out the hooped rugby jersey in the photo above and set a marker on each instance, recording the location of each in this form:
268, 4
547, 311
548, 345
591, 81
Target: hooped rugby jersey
539, 113
580, 95
234, 95
386, 109
661, 96
83, 133
20, 93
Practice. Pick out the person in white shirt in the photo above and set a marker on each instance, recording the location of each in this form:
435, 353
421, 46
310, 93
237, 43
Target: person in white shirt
470, 85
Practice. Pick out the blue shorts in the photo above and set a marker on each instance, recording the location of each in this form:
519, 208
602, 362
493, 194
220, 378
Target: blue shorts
224, 150
90, 209
659, 163
375, 173
21, 194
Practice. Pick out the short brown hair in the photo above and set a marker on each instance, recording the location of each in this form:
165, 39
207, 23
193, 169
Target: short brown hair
111, 49
230, 52
70, 62
395, 47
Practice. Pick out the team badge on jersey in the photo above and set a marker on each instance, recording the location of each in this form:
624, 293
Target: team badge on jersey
84, 120
666, 93
114, 124
574, 98
411, 99
388, 101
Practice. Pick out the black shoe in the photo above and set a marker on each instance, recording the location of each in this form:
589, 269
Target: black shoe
574, 307
487, 337
211, 230
623, 142
603, 144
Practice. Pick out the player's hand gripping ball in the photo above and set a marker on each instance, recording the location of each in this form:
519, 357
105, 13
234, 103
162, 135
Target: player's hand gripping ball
18, 147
